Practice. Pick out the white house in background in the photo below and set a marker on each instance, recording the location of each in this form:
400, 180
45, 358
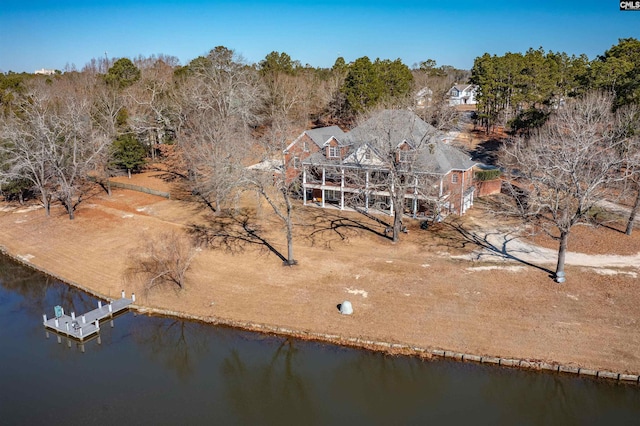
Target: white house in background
463, 94
44, 71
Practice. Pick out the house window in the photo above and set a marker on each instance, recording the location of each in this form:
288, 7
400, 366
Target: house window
305, 148
405, 156
296, 163
455, 93
334, 152
454, 178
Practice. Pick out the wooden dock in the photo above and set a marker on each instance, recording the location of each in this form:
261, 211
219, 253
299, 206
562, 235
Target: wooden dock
84, 326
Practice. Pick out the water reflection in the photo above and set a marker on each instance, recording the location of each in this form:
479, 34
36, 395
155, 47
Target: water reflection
177, 344
276, 384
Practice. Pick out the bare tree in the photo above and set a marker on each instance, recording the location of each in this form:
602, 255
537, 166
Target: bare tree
52, 140
26, 140
270, 182
220, 99
80, 144
287, 111
559, 173
162, 260
152, 111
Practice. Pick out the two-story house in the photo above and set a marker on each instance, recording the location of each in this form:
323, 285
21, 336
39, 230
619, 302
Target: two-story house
463, 94
392, 151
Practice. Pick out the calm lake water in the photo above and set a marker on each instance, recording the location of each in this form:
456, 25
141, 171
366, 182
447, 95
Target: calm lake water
163, 371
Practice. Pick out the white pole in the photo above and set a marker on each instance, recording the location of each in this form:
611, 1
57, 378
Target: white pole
73, 315
67, 326
97, 325
44, 318
304, 185
110, 307
99, 304
80, 331
123, 294
133, 297
84, 320
57, 324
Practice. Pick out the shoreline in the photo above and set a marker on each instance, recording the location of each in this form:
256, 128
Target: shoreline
397, 349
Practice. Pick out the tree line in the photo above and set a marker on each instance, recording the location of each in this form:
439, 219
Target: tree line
520, 90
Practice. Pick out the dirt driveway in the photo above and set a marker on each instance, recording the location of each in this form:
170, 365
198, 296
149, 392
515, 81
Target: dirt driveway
435, 289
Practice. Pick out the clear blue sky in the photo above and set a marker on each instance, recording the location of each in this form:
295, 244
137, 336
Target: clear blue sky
38, 34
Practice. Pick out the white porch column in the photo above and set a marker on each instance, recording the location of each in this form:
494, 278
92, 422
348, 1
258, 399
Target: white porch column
415, 197
304, 185
323, 183
462, 206
391, 200
342, 189
366, 191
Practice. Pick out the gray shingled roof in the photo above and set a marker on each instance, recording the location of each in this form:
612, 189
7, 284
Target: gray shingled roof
391, 128
322, 134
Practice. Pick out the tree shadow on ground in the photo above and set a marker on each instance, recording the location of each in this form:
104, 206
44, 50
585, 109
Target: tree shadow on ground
326, 226
482, 240
487, 151
233, 233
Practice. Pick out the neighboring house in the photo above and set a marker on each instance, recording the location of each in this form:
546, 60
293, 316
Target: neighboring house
463, 94
349, 170
44, 71
424, 97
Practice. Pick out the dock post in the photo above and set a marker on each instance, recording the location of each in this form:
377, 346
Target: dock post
110, 307
133, 297
111, 323
99, 304
57, 323
98, 325
99, 339
123, 294
80, 332
73, 316
84, 320
82, 347
44, 319
67, 326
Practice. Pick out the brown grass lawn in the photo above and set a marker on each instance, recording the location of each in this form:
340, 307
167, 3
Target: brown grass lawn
412, 292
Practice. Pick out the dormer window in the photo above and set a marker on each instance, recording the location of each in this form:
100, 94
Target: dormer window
368, 155
334, 152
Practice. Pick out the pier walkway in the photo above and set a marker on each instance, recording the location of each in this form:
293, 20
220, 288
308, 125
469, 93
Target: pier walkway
86, 325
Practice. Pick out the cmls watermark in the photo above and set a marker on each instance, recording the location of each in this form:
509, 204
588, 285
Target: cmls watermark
630, 5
